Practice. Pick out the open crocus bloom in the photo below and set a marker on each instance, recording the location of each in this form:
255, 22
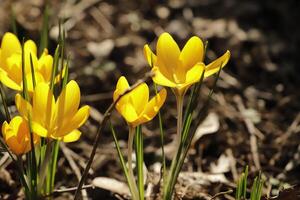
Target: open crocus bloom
135, 106
17, 136
180, 69
58, 119
11, 63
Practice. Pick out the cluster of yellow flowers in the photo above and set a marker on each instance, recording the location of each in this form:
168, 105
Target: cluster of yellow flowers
172, 68
53, 119
60, 119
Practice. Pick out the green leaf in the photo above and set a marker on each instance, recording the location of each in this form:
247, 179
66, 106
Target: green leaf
121, 157
139, 147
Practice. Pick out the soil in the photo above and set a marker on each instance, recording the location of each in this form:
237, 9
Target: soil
253, 117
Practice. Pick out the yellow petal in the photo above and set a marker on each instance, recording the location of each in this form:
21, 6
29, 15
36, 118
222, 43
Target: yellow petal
24, 108
152, 107
215, 66
43, 105
38, 79
30, 50
38, 129
167, 50
128, 112
192, 53
194, 74
72, 136
7, 81
167, 56
160, 79
5, 128
75, 122
68, 101
122, 85
139, 97
45, 67
149, 55
16, 135
10, 45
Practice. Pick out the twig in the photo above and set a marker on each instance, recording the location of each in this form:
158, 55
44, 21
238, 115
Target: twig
283, 138
102, 20
106, 116
221, 193
232, 164
73, 165
59, 191
251, 129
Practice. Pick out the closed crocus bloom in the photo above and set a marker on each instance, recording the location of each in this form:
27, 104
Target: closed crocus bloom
135, 106
11, 63
57, 119
17, 136
180, 69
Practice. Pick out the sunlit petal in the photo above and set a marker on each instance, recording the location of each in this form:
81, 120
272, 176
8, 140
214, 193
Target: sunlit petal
10, 45
75, 122
150, 56
215, 66
167, 50
153, 106
122, 85
24, 108
72, 136
192, 53
43, 104
160, 79
68, 101
139, 97
7, 81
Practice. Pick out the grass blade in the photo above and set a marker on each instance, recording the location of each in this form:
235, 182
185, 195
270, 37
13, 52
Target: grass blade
44, 37
140, 160
121, 157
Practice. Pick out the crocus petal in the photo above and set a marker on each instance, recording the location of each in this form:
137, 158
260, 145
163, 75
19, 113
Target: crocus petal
68, 101
160, 79
167, 56
194, 74
128, 112
24, 108
45, 67
38, 129
149, 55
192, 53
122, 85
75, 122
215, 66
38, 79
10, 45
152, 107
30, 47
72, 136
7, 81
43, 105
139, 97
16, 135
167, 50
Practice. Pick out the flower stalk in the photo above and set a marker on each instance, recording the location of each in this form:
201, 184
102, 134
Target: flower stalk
134, 192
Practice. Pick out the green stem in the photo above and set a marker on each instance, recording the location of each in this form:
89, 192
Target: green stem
168, 187
135, 193
139, 160
179, 101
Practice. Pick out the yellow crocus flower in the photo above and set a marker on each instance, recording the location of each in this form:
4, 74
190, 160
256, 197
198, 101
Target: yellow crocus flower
58, 119
135, 106
17, 136
11, 63
180, 69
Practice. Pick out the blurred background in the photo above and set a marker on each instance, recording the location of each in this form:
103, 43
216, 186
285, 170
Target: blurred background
253, 118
